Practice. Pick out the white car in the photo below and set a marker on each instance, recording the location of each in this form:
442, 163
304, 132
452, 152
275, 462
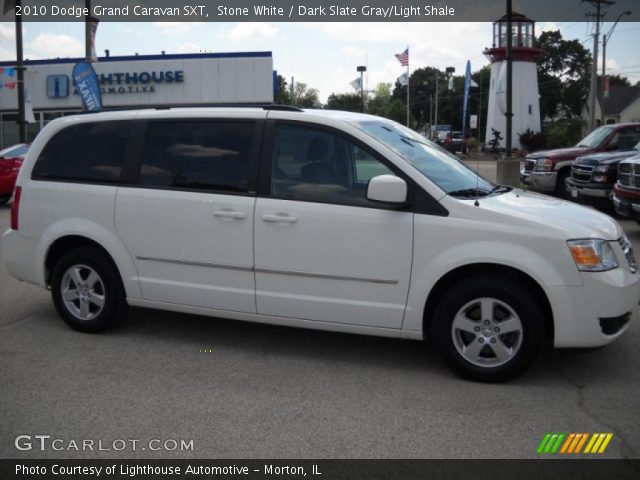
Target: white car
328, 220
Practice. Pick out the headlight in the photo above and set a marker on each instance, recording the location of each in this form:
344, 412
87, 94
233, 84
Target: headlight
593, 255
601, 169
600, 178
543, 165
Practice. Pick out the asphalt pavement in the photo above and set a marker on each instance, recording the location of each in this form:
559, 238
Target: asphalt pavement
242, 390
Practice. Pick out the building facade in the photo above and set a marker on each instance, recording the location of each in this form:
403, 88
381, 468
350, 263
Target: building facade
138, 81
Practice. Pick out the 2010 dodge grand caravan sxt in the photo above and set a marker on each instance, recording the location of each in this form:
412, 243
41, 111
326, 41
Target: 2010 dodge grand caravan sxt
318, 219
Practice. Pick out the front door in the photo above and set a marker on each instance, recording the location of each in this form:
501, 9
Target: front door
324, 252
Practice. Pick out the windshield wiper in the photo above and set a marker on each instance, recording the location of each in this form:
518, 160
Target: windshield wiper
501, 189
469, 192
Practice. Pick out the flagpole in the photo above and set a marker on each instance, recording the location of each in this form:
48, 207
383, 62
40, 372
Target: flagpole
408, 114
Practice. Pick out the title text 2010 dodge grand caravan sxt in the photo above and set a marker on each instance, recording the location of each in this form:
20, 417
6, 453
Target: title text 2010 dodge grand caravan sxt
319, 219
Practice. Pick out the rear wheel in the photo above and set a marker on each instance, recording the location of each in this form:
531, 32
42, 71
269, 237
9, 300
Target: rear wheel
87, 290
4, 199
488, 329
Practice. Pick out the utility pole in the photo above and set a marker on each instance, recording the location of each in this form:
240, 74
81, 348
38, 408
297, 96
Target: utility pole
480, 109
594, 67
22, 124
605, 38
292, 90
435, 115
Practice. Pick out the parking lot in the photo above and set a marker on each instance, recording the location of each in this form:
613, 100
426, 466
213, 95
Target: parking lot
242, 390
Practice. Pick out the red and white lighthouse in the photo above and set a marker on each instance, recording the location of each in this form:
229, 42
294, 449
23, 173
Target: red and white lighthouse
526, 102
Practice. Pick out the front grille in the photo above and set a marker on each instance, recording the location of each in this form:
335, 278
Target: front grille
581, 173
625, 178
529, 164
629, 174
627, 249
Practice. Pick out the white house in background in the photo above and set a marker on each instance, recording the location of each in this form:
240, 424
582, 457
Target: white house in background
526, 101
621, 106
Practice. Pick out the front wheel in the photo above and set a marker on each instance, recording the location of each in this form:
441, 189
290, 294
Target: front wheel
87, 290
488, 328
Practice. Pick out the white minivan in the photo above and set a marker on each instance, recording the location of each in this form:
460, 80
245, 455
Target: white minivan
328, 220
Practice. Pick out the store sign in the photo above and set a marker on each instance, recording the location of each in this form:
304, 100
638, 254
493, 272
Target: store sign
57, 86
118, 83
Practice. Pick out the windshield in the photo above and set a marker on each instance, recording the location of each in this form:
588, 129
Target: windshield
595, 138
434, 162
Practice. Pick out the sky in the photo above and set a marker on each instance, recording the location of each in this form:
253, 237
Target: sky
322, 55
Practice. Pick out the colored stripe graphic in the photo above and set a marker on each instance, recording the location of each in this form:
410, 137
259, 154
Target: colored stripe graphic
573, 443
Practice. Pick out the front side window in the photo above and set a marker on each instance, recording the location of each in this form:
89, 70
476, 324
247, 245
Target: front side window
311, 164
91, 152
198, 155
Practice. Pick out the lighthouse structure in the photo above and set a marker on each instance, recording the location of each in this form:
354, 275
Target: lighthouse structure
526, 102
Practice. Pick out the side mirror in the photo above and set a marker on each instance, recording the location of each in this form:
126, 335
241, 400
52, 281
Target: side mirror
387, 189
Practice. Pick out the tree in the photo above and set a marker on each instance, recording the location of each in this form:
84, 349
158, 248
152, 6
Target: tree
564, 72
385, 105
618, 80
283, 96
350, 102
304, 96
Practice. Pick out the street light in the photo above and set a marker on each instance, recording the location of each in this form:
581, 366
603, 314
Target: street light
361, 69
605, 39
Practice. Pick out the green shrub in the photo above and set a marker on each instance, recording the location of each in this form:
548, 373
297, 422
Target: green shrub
533, 141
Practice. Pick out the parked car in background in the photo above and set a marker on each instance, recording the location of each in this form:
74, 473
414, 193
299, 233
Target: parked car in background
454, 142
593, 176
547, 171
626, 192
10, 162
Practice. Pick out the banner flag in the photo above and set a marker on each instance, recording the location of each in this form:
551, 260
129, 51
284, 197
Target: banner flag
86, 81
357, 84
467, 85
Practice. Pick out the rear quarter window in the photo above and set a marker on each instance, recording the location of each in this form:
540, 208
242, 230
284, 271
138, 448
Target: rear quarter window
90, 152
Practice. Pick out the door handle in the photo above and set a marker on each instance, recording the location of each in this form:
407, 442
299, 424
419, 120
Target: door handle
279, 218
229, 214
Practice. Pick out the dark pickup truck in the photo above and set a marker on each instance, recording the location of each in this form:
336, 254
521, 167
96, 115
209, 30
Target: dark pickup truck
547, 171
593, 176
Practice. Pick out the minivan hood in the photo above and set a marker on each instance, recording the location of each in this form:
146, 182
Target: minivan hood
531, 210
558, 153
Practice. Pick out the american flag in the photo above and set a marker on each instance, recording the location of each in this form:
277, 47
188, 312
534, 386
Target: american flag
403, 57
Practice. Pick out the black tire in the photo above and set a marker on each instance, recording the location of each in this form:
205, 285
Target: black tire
507, 293
4, 199
561, 179
109, 287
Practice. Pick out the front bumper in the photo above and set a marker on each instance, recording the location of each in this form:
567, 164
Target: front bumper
626, 207
596, 313
540, 181
587, 191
